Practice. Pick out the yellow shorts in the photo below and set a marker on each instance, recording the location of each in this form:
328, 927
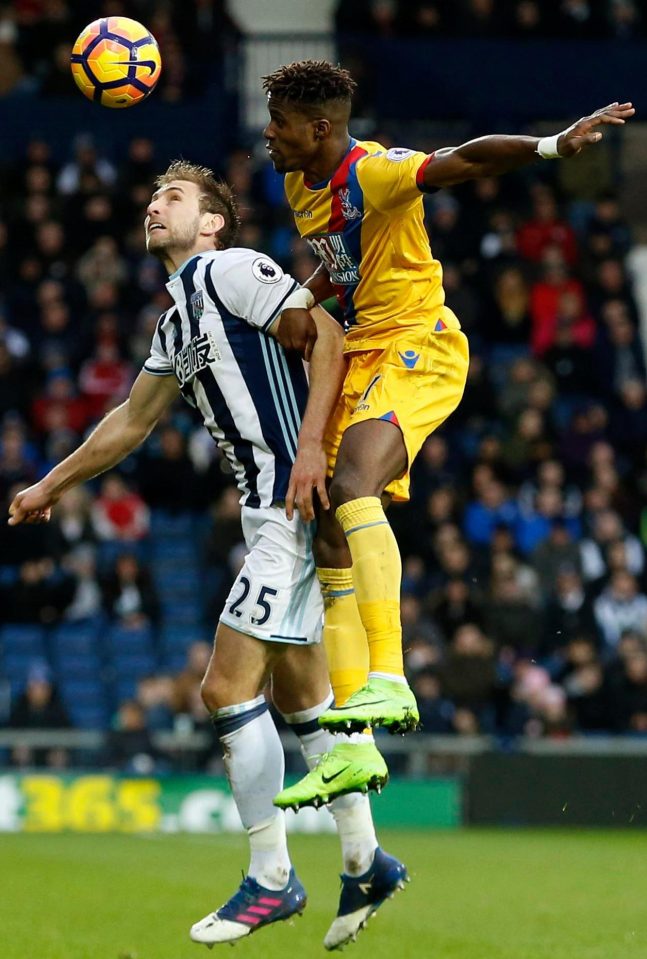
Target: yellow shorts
414, 383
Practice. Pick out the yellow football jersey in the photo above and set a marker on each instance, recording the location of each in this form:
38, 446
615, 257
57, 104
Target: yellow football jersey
366, 225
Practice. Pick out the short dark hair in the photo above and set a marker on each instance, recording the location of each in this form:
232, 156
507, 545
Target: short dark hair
215, 196
310, 82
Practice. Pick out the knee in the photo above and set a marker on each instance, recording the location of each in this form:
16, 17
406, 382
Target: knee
213, 696
345, 486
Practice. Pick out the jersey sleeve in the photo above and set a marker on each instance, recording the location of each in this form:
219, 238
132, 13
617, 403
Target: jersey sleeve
251, 286
157, 361
393, 179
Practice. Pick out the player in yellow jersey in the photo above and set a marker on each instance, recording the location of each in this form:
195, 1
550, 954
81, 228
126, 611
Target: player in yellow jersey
359, 206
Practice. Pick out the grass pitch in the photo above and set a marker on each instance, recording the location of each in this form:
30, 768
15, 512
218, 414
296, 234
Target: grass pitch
474, 895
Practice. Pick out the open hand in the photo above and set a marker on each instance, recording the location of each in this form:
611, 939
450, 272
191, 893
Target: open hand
308, 474
585, 132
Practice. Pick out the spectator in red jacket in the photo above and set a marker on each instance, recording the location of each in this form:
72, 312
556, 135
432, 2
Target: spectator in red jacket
119, 513
546, 228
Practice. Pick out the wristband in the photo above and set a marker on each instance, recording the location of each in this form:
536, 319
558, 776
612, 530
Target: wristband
547, 148
301, 299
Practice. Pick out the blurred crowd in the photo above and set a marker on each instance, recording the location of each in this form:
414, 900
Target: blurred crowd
514, 19
36, 39
525, 586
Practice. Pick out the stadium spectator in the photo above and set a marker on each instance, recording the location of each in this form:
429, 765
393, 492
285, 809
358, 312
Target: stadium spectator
186, 687
85, 599
619, 607
129, 596
118, 513
39, 707
468, 677
568, 613
129, 746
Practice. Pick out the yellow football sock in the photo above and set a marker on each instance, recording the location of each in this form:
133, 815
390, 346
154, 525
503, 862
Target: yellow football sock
344, 635
377, 574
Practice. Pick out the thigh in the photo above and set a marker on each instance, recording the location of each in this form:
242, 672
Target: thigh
416, 386
276, 596
239, 668
300, 678
358, 380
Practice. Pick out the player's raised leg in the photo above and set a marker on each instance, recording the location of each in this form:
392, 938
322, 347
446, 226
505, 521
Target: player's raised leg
370, 876
232, 691
347, 763
371, 455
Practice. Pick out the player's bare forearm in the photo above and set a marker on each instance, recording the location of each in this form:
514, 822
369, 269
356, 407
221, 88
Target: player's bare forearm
117, 435
319, 284
495, 155
487, 156
327, 371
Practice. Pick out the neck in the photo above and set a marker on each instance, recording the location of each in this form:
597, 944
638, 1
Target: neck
324, 165
172, 260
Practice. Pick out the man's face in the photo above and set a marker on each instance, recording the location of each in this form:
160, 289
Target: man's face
173, 217
290, 136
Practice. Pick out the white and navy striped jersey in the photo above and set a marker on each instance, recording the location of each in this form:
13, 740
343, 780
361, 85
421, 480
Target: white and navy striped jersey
251, 393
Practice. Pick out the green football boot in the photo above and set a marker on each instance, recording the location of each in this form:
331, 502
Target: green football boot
347, 768
382, 702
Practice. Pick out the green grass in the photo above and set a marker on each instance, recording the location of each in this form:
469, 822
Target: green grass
474, 895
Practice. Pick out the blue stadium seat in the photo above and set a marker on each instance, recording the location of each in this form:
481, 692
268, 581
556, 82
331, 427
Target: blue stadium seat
124, 688
23, 638
77, 638
122, 639
182, 611
82, 690
178, 551
183, 582
179, 636
9, 575
91, 716
173, 661
16, 666
171, 524
77, 667
134, 665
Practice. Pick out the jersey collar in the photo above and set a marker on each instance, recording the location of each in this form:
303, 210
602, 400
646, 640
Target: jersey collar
183, 266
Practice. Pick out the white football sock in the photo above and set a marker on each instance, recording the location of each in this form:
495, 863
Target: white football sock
352, 813
254, 763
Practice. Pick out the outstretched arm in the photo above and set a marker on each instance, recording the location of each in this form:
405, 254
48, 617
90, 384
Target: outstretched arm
493, 155
117, 435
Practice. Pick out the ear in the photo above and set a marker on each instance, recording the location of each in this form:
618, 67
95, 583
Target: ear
321, 129
212, 223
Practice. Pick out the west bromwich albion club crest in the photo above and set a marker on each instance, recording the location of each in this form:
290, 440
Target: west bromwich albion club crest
197, 305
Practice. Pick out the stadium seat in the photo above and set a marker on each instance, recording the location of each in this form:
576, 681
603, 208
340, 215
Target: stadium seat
123, 688
9, 575
76, 666
23, 638
122, 639
171, 524
92, 716
134, 664
182, 611
77, 638
179, 636
179, 552
81, 689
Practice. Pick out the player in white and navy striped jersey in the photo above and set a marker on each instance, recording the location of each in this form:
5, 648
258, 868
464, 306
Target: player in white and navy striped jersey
250, 393
216, 347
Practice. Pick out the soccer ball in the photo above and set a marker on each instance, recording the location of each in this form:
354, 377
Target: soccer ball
116, 62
